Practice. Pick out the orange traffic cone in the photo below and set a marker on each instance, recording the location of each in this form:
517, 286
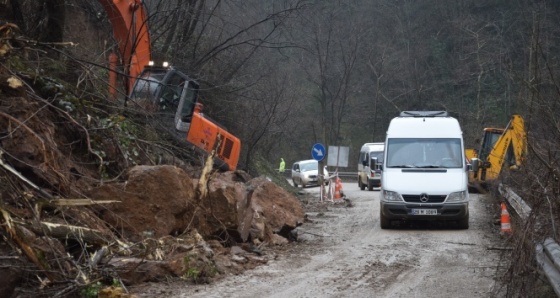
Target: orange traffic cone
338, 189
506, 224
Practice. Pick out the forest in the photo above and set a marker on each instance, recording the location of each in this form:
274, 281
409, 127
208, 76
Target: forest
283, 75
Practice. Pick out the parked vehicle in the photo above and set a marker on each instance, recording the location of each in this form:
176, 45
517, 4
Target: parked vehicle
425, 173
306, 173
369, 165
501, 148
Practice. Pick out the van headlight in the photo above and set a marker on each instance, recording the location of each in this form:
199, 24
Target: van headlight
457, 196
391, 196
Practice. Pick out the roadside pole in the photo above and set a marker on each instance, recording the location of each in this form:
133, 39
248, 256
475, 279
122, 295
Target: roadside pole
318, 153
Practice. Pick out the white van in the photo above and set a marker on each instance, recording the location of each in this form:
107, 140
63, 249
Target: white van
424, 171
369, 165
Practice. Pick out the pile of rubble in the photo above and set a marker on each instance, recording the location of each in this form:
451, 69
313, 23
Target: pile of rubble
65, 229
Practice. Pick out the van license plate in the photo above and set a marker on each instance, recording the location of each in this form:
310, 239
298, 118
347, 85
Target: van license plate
424, 212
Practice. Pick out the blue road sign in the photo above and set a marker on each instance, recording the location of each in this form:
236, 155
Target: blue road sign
318, 152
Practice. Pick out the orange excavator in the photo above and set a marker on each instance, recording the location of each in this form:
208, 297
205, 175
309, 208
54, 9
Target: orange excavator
163, 91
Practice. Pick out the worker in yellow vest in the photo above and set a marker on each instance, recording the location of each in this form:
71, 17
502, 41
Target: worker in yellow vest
282, 166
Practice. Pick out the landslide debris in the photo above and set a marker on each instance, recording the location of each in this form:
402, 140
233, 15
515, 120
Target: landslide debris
92, 201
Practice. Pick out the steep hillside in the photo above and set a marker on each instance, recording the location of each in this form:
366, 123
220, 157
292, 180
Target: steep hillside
94, 195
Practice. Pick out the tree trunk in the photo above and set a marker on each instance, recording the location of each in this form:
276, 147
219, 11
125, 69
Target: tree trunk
56, 18
17, 15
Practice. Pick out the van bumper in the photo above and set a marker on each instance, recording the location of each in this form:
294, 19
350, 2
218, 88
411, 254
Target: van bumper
406, 211
374, 182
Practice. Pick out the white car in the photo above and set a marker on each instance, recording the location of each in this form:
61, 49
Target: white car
305, 173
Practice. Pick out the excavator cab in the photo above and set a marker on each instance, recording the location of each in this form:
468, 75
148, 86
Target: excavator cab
186, 105
164, 93
489, 139
159, 89
172, 97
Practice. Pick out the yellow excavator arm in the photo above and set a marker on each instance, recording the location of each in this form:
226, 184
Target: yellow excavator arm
500, 148
509, 150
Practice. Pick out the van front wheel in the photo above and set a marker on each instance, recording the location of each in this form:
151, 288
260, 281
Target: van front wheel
384, 222
463, 223
360, 184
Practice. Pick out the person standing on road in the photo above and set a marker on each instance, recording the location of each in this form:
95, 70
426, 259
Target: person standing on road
282, 166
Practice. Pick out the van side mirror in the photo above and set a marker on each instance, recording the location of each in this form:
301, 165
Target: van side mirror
373, 163
364, 163
474, 164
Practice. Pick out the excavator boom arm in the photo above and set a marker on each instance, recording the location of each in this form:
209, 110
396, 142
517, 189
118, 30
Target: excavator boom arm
519, 139
513, 141
130, 29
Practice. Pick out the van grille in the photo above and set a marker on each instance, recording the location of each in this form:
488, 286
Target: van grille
431, 198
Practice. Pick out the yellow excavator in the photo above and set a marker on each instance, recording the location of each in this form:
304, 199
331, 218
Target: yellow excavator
501, 148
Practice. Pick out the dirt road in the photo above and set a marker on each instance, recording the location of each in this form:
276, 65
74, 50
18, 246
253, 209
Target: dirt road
344, 253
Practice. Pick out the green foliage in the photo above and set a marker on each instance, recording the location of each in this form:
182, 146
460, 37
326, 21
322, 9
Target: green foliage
116, 282
55, 67
16, 63
198, 269
91, 291
192, 274
124, 132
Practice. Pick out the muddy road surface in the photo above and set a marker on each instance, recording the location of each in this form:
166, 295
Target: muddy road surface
343, 252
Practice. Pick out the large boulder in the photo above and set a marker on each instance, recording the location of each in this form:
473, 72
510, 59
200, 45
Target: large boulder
161, 200
155, 201
250, 209
270, 211
224, 204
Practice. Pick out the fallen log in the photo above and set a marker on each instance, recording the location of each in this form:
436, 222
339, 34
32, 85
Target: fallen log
64, 231
12, 230
80, 202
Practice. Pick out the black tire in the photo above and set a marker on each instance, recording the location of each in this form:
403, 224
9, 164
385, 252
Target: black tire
295, 184
463, 223
369, 186
384, 222
360, 184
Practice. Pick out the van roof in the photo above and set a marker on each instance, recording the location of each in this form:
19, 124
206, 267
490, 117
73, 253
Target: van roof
306, 161
424, 127
373, 146
423, 114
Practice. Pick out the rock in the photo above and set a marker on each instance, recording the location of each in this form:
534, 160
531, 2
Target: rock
275, 208
256, 209
278, 240
239, 259
135, 270
161, 200
236, 250
155, 201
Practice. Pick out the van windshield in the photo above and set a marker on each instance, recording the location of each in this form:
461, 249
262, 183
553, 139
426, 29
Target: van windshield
378, 155
424, 153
